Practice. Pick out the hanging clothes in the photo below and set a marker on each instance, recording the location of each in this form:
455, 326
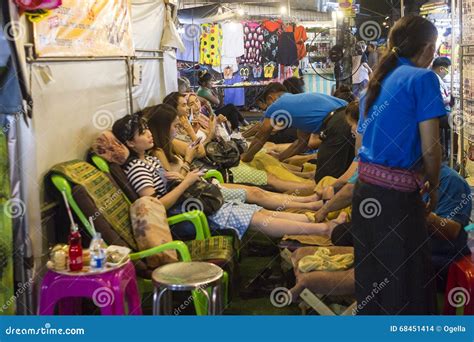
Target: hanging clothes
233, 40
272, 26
235, 96
271, 34
211, 44
10, 92
253, 37
287, 53
300, 39
191, 43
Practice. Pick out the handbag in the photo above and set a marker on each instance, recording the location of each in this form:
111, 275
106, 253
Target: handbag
202, 196
223, 154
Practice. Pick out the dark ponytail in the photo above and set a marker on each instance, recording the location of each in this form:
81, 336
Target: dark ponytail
406, 39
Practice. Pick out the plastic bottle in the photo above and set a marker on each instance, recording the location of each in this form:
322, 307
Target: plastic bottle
75, 249
97, 252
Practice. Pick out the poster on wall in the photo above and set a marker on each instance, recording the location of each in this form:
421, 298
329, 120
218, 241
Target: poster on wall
86, 28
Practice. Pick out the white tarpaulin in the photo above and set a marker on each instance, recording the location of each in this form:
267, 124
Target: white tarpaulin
73, 101
159, 77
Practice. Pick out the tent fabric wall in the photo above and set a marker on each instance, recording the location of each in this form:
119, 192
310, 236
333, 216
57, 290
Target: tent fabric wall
159, 76
74, 101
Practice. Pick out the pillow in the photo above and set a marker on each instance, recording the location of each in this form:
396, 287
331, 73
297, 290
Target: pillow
150, 228
110, 148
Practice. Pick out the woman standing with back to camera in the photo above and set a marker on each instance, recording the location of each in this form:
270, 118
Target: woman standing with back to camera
400, 155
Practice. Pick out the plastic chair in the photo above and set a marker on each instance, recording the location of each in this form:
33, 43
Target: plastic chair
460, 285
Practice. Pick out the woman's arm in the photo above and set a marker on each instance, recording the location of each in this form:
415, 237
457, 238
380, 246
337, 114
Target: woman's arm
341, 181
179, 147
173, 196
431, 149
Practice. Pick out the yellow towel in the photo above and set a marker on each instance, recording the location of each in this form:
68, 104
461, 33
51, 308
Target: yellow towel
322, 260
265, 162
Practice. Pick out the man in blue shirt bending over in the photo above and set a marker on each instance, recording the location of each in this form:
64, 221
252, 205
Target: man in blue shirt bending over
309, 113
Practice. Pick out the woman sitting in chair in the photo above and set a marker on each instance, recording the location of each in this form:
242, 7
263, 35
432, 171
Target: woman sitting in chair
264, 170
162, 122
148, 178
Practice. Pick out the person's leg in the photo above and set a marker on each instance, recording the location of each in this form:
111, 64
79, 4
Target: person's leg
276, 227
279, 214
284, 186
273, 200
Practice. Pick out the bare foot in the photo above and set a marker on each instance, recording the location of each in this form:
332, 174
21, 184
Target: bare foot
316, 205
334, 223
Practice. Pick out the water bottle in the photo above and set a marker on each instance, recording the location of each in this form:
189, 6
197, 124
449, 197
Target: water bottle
75, 249
97, 252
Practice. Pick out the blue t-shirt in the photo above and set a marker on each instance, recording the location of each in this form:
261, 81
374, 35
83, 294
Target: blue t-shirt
408, 96
305, 112
454, 203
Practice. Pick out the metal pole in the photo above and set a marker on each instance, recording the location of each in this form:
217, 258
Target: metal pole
453, 42
289, 8
402, 8
461, 92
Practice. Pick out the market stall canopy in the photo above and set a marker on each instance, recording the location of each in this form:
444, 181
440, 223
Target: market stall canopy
205, 14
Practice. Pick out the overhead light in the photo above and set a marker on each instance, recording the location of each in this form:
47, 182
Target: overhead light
385, 23
220, 10
283, 9
387, 17
241, 11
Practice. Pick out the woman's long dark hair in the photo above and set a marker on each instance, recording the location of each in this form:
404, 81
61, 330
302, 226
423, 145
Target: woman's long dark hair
160, 119
407, 38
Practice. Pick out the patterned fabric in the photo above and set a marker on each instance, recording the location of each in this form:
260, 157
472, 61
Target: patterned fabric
214, 248
110, 148
389, 178
8, 207
270, 46
248, 175
234, 195
253, 36
106, 196
150, 228
234, 215
211, 44
146, 173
